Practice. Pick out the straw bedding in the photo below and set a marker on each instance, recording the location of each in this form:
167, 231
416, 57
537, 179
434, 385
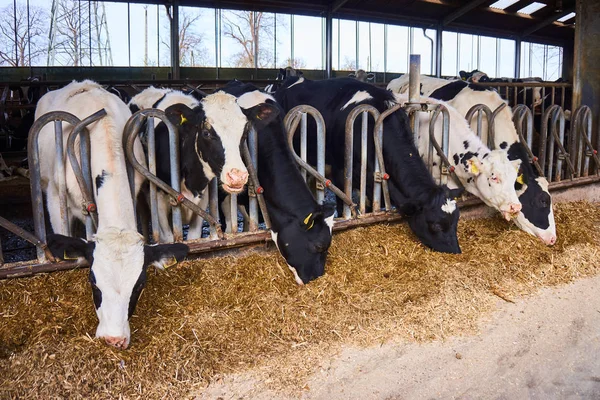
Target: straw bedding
213, 316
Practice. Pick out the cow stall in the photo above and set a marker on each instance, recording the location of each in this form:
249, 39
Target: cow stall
565, 158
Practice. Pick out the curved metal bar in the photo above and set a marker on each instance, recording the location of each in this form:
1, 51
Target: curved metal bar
558, 119
17, 230
365, 110
85, 182
581, 129
291, 122
35, 175
446, 167
523, 117
478, 108
254, 177
131, 136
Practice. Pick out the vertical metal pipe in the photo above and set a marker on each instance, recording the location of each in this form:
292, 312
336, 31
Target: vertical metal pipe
445, 140
175, 182
414, 90
213, 204
357, 37
328, 43
174, 32
363, 162
321, 139
253, 201
232, 224
517, 71
217, 42
377, 183
586, 124
37, 201
438, 51
152, 168
348, 161
85, 157
385, 51
303, 144
61, 177
561, 135
128, 35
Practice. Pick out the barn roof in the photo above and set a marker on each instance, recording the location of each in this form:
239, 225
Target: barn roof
484, 17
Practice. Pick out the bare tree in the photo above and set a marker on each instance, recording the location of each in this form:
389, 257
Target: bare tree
192, 52
250, 29
35, 41
348, 64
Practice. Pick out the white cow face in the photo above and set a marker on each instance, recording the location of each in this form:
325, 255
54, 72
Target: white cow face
494, 178
119, 261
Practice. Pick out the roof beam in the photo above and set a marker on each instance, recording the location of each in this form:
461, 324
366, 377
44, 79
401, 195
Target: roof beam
518, 5
337, 4
462, 11
547, 21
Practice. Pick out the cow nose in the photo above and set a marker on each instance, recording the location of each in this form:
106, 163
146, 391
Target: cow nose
550, 241
515, 208
237, 177
118, 342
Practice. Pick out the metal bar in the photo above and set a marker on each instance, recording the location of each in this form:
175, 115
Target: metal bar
321, 140
303, 144
479, 108
414, 90
232, 224
131, 136
89, 204
152, 168
175, 180
85, 157
34, 177
253, 202
252, 172
61, 178
363, 162
547, 21
213, 204
22, 233
291, 122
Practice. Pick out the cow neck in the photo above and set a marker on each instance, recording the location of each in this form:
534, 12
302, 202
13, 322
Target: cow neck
113, 198
285, 192
405, 167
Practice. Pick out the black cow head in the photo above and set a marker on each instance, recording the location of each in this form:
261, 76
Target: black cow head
474, 76
304, 243
435, 222
118, 260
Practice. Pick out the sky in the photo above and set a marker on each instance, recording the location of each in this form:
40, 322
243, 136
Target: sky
306, 36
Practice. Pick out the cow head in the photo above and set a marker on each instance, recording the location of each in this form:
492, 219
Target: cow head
304, 243
435, 221
215, 130
493, 178
119, 260
474, 76
362, 75
536, 216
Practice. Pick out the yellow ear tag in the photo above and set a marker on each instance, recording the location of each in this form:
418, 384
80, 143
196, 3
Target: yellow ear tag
183, 120
520, 179
307, 219
69, 258
172, 262
473, 168
312, 223
258, 117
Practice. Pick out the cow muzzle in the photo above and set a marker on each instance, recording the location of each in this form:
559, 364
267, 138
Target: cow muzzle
118, 342
235, 179
549, 240
512, 211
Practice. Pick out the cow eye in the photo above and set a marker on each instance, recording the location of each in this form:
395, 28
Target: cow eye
435, 227
206, 133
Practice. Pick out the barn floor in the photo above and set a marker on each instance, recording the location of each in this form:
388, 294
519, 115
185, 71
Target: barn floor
200, 323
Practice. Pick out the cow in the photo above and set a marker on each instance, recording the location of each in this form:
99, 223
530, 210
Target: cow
487, 174
536, 216
430, 209
282, 75
210, 133
117, 254
301, 228
362, 75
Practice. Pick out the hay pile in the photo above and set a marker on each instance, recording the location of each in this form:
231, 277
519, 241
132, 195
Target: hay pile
213, 316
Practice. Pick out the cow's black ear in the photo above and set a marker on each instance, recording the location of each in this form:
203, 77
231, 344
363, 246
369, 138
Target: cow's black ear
133, 108
463, 75
70, 248
328, 210
180, 114
165, 255
309, 220
453, 193
261, 115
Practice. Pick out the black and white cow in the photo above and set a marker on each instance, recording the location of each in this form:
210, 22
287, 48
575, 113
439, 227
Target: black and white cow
488, 174
117, 254
282, 75
362, 75
536, 217
300, 227
430, 209
210, 133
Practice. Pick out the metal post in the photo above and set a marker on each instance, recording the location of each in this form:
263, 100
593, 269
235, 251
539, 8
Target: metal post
175, 181
253, 201
152, 168
175, 40
303, 144
213, 204
363, 162
517, 58
414, 90
61, 178
438, 51
328, 43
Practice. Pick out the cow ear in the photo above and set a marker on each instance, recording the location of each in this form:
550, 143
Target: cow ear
463, 75
328, 210
453, 194
309, 221
70, 248
370, 75
261, 115
163, 256
474, 166
180, 114
516, 164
